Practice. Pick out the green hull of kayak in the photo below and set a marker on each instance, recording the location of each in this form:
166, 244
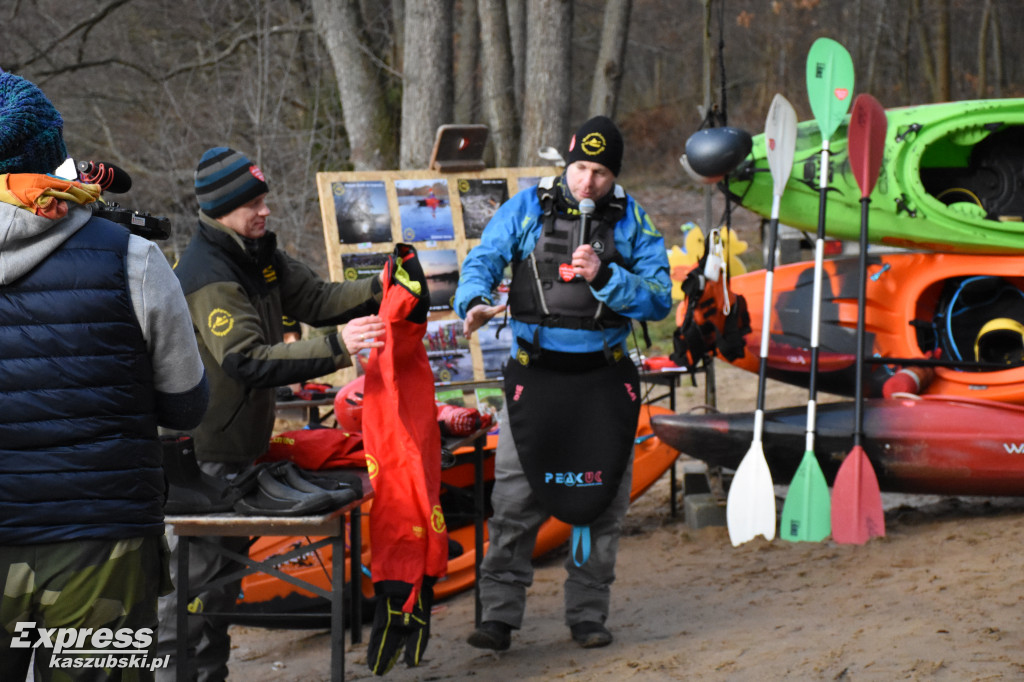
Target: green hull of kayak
952, 179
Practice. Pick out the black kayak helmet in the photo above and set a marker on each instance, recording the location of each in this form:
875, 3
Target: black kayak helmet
714, 152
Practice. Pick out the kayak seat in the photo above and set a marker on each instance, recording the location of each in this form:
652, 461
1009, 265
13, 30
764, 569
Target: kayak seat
966, 308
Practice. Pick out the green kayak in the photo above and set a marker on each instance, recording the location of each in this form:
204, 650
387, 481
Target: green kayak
952, 179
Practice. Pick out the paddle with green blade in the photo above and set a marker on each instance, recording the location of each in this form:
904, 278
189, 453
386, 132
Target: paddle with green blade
857, 514
806, 515
750, 507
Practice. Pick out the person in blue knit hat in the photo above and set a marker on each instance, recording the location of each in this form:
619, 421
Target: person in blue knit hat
239, 286
96, 352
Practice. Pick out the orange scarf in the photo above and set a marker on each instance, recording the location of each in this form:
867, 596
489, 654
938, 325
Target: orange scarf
45, 195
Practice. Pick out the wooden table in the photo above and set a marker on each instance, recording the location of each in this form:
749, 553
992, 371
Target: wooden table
190, 529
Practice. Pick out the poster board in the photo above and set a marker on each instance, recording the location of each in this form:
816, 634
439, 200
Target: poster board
365, 213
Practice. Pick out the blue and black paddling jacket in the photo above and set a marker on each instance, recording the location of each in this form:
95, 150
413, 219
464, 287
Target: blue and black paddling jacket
636, 284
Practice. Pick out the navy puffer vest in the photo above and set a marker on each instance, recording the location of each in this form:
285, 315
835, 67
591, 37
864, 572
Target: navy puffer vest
79, 452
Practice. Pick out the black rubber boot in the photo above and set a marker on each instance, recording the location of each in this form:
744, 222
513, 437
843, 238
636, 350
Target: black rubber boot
189, 490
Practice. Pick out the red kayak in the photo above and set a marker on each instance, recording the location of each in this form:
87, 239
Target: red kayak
934, 445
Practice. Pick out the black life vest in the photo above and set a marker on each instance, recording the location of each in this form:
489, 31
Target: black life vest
543, 289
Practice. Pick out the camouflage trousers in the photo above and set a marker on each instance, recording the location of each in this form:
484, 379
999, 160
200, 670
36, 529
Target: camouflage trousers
86, 609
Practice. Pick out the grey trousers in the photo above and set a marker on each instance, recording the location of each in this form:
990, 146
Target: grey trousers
507, 569
208, 640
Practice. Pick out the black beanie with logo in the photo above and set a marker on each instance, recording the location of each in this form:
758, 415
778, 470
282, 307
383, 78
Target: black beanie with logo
597, 140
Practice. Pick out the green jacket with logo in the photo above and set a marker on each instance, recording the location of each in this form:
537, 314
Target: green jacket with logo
237, 292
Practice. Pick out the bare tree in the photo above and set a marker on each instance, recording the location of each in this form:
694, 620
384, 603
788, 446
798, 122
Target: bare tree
427, 78
517, 38
467, 60
989, 33
934, 46
499, 91
604, 94
547, 100
367, 119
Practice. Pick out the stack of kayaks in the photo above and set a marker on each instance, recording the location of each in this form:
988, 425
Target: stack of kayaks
950, 186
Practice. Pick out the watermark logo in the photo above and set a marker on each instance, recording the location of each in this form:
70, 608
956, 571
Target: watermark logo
98, 648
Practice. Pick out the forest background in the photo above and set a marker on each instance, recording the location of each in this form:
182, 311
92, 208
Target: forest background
303, 86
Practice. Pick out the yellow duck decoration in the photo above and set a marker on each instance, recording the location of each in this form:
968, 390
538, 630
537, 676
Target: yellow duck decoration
682, 260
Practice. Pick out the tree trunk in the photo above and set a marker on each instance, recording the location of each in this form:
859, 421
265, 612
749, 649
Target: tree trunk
467, 75
997, 54
427, 79
942, 51
986, 18
498, 90
880, 14
367, 122
604, 94
547, 97
517, 37
927, 64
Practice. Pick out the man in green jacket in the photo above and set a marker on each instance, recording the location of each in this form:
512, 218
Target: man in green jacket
238, 284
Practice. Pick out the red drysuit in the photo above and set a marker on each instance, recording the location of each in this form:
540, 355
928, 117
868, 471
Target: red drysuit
402, 439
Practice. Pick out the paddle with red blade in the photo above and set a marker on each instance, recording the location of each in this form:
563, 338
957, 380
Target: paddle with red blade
750, 507
857, 514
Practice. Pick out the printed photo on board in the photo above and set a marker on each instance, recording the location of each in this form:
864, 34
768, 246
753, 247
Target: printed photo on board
448, 351
424, 210
361, 209
362, 265
441, 268
480, 199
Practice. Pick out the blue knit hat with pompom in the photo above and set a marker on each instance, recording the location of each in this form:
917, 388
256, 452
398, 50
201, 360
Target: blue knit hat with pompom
31, 129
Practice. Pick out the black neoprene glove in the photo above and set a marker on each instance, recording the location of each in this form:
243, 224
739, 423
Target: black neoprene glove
394, 630
416, 641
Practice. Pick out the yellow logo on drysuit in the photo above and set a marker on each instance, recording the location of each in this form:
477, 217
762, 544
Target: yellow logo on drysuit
220, 322
371, 466
437, 519
523, 357
593, 144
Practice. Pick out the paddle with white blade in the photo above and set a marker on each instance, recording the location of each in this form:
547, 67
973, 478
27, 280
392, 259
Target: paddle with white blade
750, 507
857, 514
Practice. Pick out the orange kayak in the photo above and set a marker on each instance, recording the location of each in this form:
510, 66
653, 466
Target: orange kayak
967, 308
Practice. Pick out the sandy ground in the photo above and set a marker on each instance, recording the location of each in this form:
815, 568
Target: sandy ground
938, 598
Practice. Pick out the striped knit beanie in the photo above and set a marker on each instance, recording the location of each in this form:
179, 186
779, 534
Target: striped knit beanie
225, 180
31, 129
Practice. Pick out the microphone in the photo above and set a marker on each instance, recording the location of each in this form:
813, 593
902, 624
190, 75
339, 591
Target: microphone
109, 177
586, 210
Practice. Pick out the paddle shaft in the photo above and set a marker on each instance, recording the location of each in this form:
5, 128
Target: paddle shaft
858, 384
769, 281
819, 269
